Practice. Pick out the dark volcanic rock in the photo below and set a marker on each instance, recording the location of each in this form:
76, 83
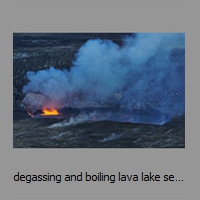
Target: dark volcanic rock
74, 133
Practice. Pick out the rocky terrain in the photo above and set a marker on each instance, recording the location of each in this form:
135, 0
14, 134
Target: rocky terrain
33, 52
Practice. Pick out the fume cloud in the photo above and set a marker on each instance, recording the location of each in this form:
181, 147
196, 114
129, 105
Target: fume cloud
147, 70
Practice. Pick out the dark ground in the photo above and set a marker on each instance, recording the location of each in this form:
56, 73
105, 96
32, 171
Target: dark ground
40, 51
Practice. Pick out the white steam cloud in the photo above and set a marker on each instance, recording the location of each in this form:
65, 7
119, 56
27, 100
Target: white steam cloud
148, 69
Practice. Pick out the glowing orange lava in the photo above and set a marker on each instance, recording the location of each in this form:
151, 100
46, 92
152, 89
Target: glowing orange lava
51, 111
29, 114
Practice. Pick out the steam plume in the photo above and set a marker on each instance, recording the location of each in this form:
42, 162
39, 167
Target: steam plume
147, 70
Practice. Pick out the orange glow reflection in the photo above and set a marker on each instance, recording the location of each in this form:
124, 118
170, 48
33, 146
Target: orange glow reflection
29, 114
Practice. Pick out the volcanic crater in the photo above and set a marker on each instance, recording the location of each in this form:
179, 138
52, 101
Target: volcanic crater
73, 127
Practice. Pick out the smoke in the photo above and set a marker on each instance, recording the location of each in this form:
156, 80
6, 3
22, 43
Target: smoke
147, 70
73, 121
